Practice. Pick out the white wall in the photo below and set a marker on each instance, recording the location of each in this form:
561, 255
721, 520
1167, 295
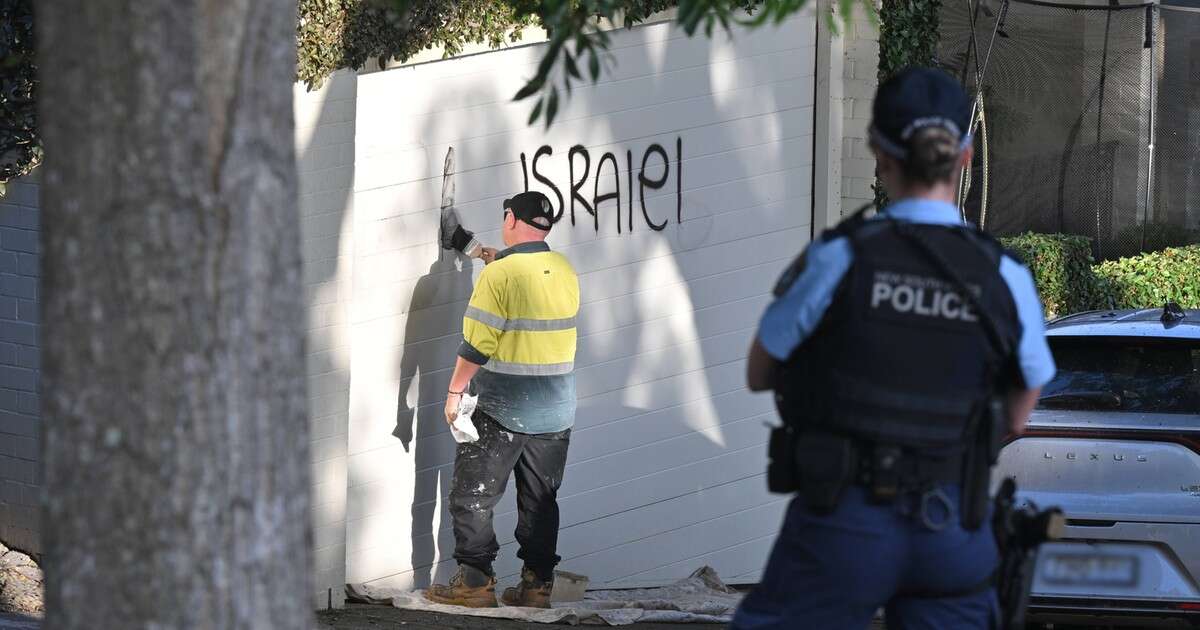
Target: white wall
325, 152
666, 464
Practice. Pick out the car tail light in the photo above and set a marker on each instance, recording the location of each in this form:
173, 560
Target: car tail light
1188, 606
1189, 440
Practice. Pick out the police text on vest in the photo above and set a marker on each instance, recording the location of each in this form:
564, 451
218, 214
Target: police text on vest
920, 295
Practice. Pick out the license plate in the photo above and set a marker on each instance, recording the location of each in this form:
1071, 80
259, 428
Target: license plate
1090, 569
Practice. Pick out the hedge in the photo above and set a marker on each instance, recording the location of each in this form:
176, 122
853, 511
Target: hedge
1070, 282
1152, 279
1062, 270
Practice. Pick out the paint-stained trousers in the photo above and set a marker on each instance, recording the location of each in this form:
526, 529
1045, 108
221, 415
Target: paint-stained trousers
481, 471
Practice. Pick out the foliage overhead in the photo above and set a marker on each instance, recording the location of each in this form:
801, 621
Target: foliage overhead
20, 147
336, 34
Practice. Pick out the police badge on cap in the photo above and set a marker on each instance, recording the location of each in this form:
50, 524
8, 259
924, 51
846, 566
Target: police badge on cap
915, 99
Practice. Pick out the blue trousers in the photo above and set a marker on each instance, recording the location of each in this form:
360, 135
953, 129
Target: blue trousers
833, 572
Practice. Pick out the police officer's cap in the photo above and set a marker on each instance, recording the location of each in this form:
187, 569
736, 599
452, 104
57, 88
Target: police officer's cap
914, 99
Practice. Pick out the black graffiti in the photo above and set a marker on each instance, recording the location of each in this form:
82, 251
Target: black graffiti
678, 179
525, 170
579, 149
629, 178
654, 184
597, 198
545, 150
578, 178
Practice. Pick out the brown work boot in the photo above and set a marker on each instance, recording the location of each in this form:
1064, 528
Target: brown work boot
531, 592
469, 587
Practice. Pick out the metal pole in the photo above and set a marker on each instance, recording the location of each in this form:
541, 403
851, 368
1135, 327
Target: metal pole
980, 74
1151, 43
1100, 115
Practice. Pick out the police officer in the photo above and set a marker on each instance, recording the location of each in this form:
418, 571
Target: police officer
892, 343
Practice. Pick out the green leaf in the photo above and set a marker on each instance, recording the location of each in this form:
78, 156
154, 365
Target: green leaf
549, 57
537, 111
689, 14
530, 88
594, 66
572, 69
551, 107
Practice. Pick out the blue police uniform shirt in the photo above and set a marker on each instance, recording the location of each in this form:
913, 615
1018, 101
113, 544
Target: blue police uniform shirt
792, 317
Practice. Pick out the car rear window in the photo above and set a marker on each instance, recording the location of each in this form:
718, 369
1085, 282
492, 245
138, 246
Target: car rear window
1124, 374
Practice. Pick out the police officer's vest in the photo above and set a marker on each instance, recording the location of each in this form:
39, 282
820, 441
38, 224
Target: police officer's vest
901, 357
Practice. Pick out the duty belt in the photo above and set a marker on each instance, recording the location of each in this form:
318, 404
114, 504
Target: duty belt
890, 473
910, 469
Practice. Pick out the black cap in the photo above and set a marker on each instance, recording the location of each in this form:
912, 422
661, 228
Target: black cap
533, 208
917, 98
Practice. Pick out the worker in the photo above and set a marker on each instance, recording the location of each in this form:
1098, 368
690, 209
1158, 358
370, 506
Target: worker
518, 357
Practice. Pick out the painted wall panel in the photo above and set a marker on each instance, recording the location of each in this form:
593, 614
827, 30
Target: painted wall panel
325, 161
667, 455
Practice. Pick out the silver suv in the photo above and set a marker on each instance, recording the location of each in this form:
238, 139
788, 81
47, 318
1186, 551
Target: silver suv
1115, 442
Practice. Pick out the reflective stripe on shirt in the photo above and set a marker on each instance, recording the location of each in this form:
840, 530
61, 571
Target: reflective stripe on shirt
501, 324
529, 369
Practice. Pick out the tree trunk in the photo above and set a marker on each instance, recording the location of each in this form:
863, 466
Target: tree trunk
176, 441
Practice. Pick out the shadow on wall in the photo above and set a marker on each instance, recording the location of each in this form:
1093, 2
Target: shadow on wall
432, 317
448, 280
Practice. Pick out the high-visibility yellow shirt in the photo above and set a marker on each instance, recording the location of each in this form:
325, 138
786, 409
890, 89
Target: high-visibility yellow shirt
520, 327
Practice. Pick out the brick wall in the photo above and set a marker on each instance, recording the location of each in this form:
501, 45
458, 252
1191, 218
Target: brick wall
861, 48
20, 426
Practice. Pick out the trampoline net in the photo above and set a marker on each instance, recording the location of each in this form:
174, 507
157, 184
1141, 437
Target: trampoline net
1067, 100
1174, 218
